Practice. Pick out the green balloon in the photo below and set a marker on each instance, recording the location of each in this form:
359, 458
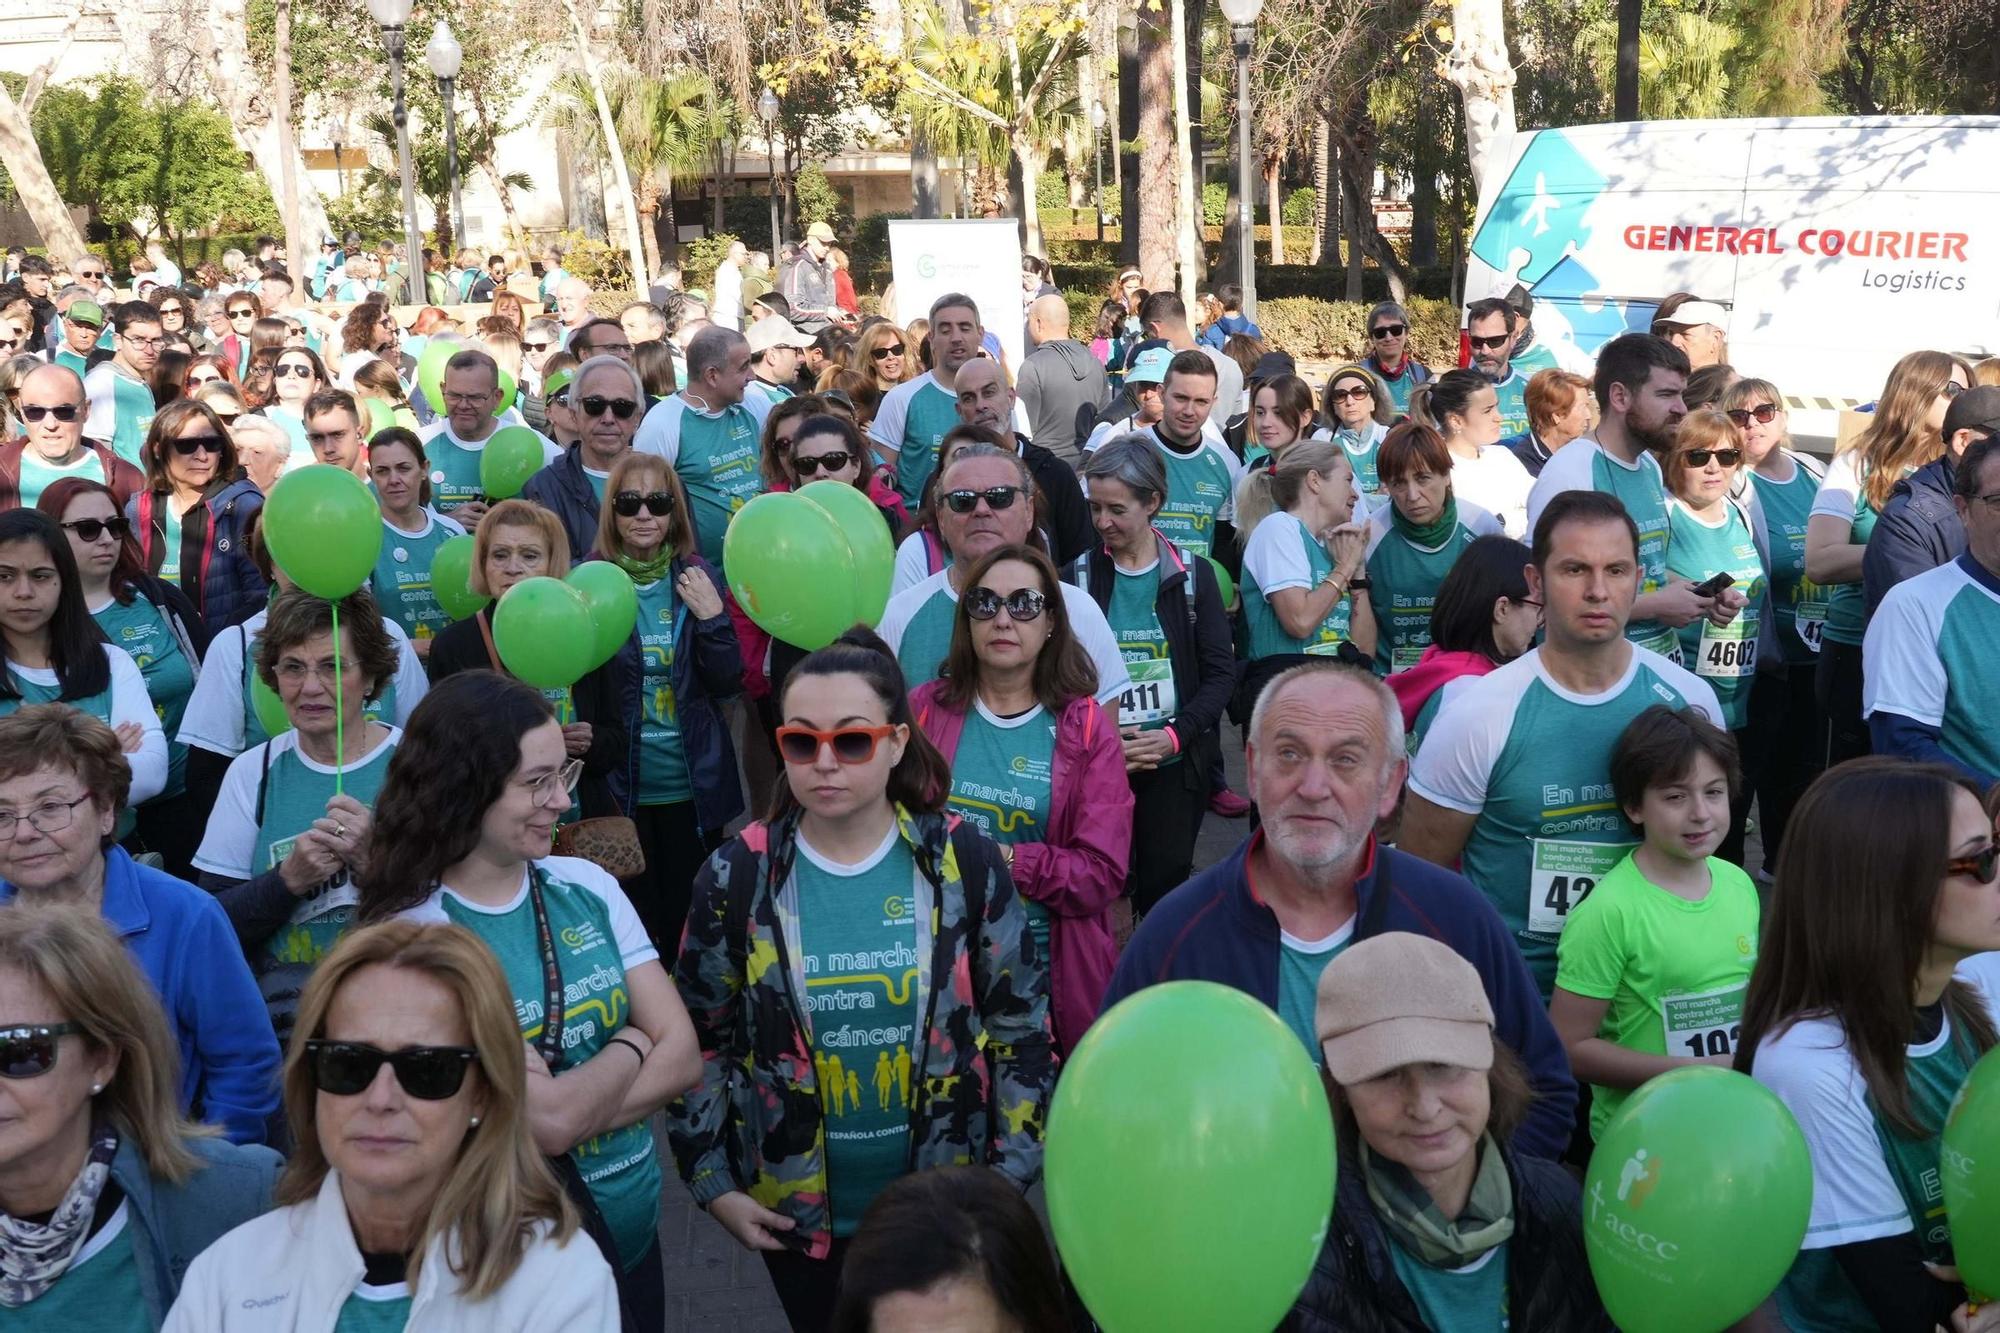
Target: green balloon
868, 537
506, 393
270, 708
1969, 1163
323, 529
614, 606
1695, 1202
451, 579
791, 570
511, 456
380, 415
430, 371
1223, 583
543, 633
1183, 1201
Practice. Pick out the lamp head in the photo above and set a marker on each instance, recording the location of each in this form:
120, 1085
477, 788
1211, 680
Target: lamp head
390, 13
1242, 13
443, 52
767, 106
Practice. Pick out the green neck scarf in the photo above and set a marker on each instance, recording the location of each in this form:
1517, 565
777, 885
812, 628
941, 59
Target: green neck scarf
1408, 1214
1433, 535
644, 572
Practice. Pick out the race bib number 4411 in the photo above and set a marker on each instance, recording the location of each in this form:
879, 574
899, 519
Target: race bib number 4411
1562, 874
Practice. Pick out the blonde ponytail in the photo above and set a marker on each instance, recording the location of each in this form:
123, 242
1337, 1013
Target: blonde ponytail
1269, 489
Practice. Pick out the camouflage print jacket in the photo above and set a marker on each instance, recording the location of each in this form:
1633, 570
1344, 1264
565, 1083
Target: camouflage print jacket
988, 1068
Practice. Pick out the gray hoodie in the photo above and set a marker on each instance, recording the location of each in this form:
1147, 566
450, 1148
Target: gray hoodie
1057, 379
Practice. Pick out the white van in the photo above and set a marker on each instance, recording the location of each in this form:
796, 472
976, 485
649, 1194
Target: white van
1836, 244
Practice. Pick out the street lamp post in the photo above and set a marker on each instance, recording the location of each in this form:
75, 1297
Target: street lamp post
445, 55
1242, 16
391, 15
1097, 161
767, 111
336, 131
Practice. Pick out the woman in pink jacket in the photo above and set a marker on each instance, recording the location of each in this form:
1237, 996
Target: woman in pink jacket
1037, 764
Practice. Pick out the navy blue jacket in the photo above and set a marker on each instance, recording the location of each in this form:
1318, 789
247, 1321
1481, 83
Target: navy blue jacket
563, 488
708, 666
171, 1224
1212, 929
1919, 529
217, 572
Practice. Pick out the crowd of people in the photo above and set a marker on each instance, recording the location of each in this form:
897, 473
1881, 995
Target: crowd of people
1592, 730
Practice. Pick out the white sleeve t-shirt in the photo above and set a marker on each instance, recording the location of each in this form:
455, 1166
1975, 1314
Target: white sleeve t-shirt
214, 720
1839, 487
1275, 555
913, 564
129, 703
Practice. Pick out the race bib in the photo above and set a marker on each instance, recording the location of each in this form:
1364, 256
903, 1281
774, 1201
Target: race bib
1402, 659
1703, 1023
1150, 698
1727, 651
1562, 874
1810, 623
1667, 643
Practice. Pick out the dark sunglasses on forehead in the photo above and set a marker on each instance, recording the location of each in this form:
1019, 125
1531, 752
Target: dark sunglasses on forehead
1763, 414
90, 529
1726, 457
884, 353
996, 497
626, 504
34, 412
428, 1073
1982, 865
1388, 331
808, 465
1022, 604
192, 444
594, 406
29, 1051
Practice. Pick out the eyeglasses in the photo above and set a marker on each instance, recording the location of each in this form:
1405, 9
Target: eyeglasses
243, 314
627, 504
851, 745
188, 445
90, 529
1022, 604
1358, 392
292, 671
1981, 865
622, 408
1490, 344
1952, 389
1726, 457
563, 781
48, 817
428, 1073
30, 1051
884, 353
34, 412
808, 465
1763, 413
85, 273
1388, 331
294, 368
465, 399
610, 349
996, 497
196, 380
137, 341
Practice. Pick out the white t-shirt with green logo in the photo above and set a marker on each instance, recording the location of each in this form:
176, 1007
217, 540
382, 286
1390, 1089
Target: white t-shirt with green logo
402, 578
1282, 554
1533, 761
121, 410
455, 462
719, 456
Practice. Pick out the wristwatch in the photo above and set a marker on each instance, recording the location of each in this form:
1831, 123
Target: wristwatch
1360, 584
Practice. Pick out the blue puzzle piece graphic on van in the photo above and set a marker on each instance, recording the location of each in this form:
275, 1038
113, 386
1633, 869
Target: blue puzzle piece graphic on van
1540, 210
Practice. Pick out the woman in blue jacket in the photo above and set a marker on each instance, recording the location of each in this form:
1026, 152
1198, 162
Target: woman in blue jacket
191, 518
681, 783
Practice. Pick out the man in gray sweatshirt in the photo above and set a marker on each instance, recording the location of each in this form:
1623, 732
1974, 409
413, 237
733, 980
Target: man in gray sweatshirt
1057, 378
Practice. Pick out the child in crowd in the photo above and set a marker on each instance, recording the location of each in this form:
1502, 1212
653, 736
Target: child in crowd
1652, 967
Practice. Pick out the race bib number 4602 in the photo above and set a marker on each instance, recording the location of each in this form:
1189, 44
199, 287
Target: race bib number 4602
1562, 874
1728, 651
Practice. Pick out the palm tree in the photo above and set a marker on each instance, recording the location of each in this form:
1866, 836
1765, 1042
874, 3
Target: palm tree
430, 173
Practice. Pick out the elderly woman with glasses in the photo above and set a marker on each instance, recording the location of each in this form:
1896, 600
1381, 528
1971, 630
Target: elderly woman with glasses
107, 1190
191, 519
415, 1197
463, 835
1360, 411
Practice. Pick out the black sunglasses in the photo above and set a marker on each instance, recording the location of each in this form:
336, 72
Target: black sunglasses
996, 497
1981, 865
243, 314
29, 1051
428, 1073
191, 444
538, 347
1763, 412
626, 504
1388, 331
884, 353
293, 368
1023, 604
1726, 457
34, 412
90, 529
1489, 344
622, 408
809, 465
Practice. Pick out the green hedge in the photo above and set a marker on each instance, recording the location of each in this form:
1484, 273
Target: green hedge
1315, 330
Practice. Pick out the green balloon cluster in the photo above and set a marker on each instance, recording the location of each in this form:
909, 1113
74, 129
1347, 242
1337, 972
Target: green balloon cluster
1189, 1204
542, 631
613, 604
430, 371
806, 566
451, 578
1695, 1202
1969, 1165
511, 456
323, 529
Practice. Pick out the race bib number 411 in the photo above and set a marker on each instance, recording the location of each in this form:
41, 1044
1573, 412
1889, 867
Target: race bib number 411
1150, 699
1562, 874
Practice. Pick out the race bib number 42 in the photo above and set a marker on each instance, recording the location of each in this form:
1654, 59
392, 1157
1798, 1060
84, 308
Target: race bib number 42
1562, 874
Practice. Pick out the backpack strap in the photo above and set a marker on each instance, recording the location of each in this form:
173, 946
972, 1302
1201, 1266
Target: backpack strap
263, 784
492, 652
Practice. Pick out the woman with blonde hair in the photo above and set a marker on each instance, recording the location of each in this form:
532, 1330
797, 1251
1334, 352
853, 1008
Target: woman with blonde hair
1905, 431
415, 1197
883, 353
1304, 558
127, 1190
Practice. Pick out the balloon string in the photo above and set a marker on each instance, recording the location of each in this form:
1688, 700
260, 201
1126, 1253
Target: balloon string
339, 703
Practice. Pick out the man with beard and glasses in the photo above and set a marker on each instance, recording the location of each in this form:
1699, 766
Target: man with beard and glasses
1491, 330
1325, 759
1638, 388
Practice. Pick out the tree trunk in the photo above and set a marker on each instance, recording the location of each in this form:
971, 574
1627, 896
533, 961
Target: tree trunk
1477, 65
22, 157
1125, 163
1186, 219
649, 227
517, 235
1351, 204
1625, 95
297, 247
1274, 167
240, 87
40, 78
1153, 218
1360, 140
1324, 184
1031, 159
621, 178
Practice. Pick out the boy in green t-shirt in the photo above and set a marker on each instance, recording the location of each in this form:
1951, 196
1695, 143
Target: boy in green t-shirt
1652, 967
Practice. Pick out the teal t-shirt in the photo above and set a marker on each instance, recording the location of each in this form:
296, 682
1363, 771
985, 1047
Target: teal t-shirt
1644, 494
1282, 554
597, 482
927, 638
294, 427
1361, 446
1513, 395
170, 542
858, 941
141, 629
663, 770
1000, 780
133, 417
929, 412
718, 463
454, 469
99, 1294
598, 938
1150, 702
1798, 605
38, 692
76, 361
1299, 964
1723, 655
1200, 486
402, 578
37, 475
375, 1310
1472, 1299
1403, 581
1929, 658
1847, 603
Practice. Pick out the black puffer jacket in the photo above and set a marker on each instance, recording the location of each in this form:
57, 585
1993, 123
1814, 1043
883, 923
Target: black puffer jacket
1354, 1287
